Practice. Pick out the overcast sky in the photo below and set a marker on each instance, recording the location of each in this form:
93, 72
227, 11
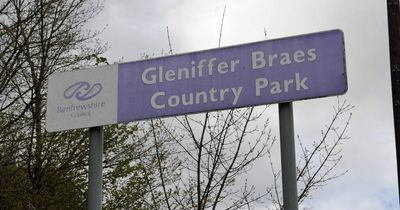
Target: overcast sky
135, 27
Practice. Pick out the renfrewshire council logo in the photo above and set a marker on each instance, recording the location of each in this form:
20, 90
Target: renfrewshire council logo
82, 91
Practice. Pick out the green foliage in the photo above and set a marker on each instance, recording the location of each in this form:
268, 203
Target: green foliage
40, 170
13, 187
63, 178
123, 181
132, 194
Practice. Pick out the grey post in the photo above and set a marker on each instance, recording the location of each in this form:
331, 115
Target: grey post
95, 168
288, 156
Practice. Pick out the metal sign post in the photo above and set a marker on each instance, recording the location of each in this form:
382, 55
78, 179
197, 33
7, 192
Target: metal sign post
288, 156
95, 168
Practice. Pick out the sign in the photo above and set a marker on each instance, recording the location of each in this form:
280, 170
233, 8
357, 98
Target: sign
273, 71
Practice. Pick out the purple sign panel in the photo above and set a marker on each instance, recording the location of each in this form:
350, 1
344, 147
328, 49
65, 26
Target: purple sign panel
273, 71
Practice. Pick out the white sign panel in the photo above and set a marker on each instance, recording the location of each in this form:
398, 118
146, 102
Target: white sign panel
82, 99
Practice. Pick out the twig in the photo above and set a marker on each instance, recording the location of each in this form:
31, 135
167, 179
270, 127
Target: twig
220, 30
169, 42
265, 33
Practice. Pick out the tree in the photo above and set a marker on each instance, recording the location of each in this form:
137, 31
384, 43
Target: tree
213, 153
52, 40
40, 170
124, 183
215, 150
318, 161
